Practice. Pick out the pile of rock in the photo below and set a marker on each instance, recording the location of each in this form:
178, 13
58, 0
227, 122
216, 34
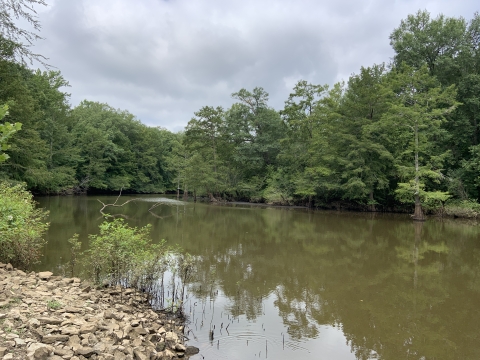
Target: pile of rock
50, 317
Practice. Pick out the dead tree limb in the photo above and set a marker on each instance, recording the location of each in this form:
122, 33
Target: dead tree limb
114, 204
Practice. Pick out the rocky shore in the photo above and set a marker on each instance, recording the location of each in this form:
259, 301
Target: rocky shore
51, 317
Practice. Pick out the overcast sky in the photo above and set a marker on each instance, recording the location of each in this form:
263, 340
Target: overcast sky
162, 60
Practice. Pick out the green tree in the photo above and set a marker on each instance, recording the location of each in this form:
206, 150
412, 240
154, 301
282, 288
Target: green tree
204, 135
256, 129
365, 161
415, 118
117, 151
300, 115
53, 123
420, 40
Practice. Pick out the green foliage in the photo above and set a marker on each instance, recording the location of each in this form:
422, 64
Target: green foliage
6, 130
416, 117
54, 305
22, 226
123, 255
278, 190
386, 136
462, 208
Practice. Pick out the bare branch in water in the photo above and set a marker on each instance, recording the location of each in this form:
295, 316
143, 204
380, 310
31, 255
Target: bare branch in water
115, 205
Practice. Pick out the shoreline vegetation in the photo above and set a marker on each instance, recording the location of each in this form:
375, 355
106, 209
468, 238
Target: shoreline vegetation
121, 261
402, 135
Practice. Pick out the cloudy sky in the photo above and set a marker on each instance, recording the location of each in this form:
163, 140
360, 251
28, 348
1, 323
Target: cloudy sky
162, 60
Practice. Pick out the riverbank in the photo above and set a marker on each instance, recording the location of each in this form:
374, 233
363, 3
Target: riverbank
51, 317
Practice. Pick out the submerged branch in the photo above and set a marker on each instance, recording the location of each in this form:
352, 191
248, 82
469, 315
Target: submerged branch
115, 204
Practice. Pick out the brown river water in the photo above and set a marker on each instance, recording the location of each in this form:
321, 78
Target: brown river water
281, 283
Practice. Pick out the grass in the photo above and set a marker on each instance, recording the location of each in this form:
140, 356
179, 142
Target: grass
54, 305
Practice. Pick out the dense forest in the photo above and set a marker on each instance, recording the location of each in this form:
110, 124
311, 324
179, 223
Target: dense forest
393, 135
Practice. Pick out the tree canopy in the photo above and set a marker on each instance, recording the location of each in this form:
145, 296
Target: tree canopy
390, 136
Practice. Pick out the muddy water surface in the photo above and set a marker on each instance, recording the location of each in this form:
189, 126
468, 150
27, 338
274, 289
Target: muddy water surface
295, 284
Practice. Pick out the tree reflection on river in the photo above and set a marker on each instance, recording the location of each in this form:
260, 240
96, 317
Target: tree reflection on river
331, 285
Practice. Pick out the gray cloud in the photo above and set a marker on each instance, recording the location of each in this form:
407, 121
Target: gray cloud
163, 60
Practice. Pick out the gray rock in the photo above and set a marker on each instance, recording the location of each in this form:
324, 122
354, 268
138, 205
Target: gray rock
19, 342
118, 355
51, 321
160, 346
50, 339
45, 275
62, 352
88, 328
85, 351
73, 341
71, 330
38, 351
140, 355
191, 350
73, 310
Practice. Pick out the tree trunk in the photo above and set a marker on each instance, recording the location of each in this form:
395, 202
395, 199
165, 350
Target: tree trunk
185, 194
178, 189
212, 198
418, 215
194, 195
372, 202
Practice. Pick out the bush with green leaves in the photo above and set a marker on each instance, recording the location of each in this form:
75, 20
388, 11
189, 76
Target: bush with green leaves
6, 130
22, 226
124, 255
462, 208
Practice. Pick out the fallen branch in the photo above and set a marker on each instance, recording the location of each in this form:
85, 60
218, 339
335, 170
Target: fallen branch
114, 204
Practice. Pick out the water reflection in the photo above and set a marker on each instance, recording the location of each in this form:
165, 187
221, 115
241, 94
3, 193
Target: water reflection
344, 284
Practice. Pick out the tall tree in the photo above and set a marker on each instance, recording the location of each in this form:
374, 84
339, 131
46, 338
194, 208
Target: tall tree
366, 162
204, 135
415, 118
420, 40
301, 116
255, 127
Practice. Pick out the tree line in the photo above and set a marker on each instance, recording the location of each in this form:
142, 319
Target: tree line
405, 132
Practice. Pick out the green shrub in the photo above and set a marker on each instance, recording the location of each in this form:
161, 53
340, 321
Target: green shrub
22, 226
462, 208
124, 255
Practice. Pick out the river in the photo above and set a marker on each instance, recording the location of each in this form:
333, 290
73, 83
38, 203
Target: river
284, 283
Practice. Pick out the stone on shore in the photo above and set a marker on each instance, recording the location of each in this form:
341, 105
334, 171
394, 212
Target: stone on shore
49, 317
